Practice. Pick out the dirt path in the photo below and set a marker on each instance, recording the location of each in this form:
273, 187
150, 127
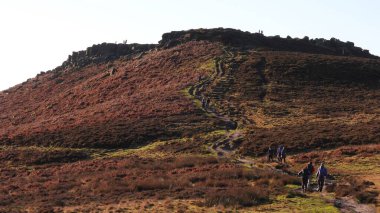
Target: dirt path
227, 146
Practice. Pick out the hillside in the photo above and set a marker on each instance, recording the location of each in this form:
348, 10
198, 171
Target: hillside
117, 106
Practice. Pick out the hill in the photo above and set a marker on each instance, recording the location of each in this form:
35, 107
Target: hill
218, 92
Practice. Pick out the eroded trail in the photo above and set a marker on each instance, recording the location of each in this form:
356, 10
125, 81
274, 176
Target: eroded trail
211, 92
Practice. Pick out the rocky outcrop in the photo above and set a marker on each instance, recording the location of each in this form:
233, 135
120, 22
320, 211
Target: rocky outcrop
104, 52
247, 40
235, 38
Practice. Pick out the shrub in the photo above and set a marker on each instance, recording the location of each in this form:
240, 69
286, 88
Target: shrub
242, 196
293, 194
367, 196
190, 161
217, 183
357, 190
197, 178
152, 184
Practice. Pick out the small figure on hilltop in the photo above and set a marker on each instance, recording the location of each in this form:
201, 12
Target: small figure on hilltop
271, 153
304, 173
321, 175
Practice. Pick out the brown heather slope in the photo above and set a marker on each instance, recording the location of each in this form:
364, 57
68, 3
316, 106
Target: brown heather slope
308, 101
87, 107
301, 93
303, 100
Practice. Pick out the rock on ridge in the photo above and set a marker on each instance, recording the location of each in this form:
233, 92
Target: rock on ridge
104, 52
247, 40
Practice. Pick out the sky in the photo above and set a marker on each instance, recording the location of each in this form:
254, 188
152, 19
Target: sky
39, 35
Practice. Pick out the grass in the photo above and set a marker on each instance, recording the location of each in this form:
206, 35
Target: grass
312, 203
209, 66
357, 189
358, 165
292, 186
165, 149
236, 197
34, 155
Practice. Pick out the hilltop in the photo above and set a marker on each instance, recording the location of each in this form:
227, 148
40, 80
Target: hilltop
136, 114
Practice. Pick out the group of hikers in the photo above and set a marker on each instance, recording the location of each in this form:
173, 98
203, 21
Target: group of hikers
306, 173
280, 154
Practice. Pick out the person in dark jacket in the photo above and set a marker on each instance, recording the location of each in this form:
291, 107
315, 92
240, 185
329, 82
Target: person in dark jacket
321, 175
283, 154
279, 149
304, 173
311, 169
270, 153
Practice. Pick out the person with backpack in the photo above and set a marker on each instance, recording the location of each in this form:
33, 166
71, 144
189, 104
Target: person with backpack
311, 169
304, 173
321, 175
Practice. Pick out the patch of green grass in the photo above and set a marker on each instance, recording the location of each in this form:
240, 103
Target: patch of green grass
292, 186
358, 165
209, 65
313, 203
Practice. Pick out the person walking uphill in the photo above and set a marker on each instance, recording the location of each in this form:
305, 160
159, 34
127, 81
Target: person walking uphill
271, 153
283, 154
304, 173
321, 175
279, 150
311, 169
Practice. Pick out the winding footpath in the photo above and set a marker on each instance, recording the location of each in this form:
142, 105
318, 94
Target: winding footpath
225, 147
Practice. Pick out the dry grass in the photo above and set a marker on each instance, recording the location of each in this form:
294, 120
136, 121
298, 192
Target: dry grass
238, 197
357, 189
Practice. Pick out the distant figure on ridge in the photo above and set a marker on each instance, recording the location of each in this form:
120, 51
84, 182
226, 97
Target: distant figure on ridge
321, 175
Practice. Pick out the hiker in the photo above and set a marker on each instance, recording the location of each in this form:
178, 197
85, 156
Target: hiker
203, 102
270, 153
305, 174
321, 175
207, 103
311, 169
283, 154
279, 149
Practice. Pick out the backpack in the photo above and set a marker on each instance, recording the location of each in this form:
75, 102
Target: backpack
304, 172
322, 172
283, 153
310, 168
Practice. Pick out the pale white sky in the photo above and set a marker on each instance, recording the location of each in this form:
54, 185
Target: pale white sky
38, 35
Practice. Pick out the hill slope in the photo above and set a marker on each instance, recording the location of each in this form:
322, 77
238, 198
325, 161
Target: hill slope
181, 126
126, 95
